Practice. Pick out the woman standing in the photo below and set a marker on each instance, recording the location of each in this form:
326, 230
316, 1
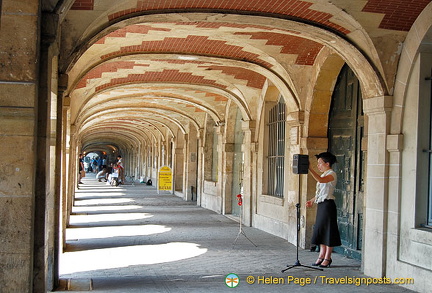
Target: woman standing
326, 232
121, 169
81, 170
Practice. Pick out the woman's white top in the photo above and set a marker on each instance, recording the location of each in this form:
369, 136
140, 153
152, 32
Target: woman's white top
325, 190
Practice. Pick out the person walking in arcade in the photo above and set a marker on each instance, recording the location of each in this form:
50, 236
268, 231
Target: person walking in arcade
326, 232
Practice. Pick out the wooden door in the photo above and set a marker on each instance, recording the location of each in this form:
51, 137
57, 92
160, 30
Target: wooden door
346, 127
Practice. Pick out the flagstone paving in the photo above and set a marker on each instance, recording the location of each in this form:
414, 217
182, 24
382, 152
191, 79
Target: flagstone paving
132, 239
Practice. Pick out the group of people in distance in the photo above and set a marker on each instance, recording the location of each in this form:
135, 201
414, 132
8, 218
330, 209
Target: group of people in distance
114, 173
96, 164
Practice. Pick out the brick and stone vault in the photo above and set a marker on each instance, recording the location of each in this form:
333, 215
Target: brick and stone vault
154, 69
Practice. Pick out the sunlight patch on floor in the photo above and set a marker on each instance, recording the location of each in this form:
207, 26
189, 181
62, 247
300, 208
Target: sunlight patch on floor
99, 193
91, 219
86, 209
115, 231
121, 257
101, 201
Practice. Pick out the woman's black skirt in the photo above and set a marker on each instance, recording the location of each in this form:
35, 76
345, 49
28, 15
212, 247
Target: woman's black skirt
326, 230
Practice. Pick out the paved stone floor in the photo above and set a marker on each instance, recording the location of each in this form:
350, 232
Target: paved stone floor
130, 239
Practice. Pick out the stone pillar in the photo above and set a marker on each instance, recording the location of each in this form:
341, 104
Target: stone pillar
250, 150
220, 130
376, 198
185, 166
46, 205
293, 182
66, 168
74, 151
191, 164
148, 161
178, 167
18, 100
156, 160
227, 177
395, 148
200, 163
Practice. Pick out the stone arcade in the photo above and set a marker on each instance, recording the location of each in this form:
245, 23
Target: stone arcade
224, 93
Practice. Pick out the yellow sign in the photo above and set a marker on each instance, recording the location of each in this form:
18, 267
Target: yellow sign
165, 178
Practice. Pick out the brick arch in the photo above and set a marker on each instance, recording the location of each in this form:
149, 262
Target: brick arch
297, 9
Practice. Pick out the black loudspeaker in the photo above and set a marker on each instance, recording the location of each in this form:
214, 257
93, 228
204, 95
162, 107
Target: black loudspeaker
300, 164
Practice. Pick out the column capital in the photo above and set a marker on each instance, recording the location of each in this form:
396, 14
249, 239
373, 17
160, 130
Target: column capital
395, 142
200, 133
248, 125
66, 102
73, 129
220, 129
377, 105
295, 118
63, 80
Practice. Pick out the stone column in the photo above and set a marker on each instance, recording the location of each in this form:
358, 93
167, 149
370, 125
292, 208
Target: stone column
46, 193
200, 163
18, 100
178, 167
185, 166
156, 160
66, 167
250, 150
75, 149
220, 130
227, 177
191, 164
148, 162
376, 198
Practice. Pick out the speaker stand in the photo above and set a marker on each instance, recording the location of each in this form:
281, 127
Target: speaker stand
297, 262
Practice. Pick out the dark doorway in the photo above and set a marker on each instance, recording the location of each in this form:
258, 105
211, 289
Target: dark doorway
346, 131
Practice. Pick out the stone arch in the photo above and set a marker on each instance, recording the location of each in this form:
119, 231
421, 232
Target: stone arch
318, 105
421, 29
317, 111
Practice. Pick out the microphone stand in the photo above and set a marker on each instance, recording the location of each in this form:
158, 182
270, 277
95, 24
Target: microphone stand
241, 225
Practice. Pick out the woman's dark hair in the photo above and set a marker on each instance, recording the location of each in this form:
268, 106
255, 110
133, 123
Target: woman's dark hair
327, 157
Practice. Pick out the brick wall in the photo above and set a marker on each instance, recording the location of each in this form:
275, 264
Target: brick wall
399, 14
83, 5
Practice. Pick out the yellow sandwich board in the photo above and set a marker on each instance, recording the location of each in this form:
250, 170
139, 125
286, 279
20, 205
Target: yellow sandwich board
165, 179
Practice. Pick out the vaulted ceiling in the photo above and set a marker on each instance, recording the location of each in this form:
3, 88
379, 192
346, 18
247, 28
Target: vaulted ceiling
157, 68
